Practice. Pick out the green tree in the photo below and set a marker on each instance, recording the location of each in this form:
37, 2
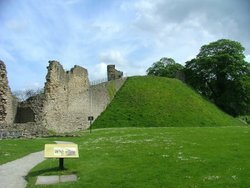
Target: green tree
165, 67
220, 73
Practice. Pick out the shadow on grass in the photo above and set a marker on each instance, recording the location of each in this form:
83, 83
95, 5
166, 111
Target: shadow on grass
49, 171
44, 171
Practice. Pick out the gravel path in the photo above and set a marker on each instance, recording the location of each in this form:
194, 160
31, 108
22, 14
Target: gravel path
12, 173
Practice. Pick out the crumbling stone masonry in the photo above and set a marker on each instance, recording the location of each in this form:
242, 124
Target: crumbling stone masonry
66, 102
113, 74
31, 110
64, 106
69, 99
8, 103
8, 108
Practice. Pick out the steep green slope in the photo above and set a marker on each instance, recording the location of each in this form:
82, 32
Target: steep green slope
160, 102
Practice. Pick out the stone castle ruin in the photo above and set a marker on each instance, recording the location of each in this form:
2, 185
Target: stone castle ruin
8, 103
64, 106
113, 74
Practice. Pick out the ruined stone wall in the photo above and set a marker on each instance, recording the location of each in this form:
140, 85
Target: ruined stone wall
102, 94
8, 103
27, 130
66, 103
30, 110
113, 74
69, 99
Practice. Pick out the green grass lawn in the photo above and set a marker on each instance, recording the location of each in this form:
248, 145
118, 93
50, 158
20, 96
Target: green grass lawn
161, 102
157, 157
172, 137
245, 119
16, 148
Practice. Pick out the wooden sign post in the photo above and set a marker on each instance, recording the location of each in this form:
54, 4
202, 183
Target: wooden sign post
61, 151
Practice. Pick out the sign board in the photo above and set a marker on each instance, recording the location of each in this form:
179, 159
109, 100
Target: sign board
90, 118
61, 151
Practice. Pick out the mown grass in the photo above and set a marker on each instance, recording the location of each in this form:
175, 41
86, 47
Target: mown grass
245, 119
157, 157
159, 102
173, 138
17, 148
11, 149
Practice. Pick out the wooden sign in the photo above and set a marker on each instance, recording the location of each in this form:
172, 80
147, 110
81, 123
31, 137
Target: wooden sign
61, 151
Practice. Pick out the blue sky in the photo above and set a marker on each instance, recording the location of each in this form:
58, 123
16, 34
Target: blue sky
132, 34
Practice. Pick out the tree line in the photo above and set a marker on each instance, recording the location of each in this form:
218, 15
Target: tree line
219, 72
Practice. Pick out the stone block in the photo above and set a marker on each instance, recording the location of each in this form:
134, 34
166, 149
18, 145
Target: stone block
68, 178
47, 180
55, 179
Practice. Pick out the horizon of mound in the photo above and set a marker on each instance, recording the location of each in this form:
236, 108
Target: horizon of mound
148, 101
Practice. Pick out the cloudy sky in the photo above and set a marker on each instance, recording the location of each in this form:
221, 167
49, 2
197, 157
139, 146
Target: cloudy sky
132, 34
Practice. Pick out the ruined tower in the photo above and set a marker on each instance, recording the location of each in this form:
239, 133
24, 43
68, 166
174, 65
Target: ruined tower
113, 74
66, 98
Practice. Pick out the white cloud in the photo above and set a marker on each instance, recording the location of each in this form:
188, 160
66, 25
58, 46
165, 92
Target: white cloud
98, 72
247, 58
113, 57
130, 34
33, 85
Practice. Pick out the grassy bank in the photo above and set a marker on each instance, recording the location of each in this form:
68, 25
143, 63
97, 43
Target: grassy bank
161, 102
157, 157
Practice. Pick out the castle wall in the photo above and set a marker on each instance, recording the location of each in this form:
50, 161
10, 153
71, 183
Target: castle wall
102, 94
30, 110
8, 103
112, 73
66, 103
69, 99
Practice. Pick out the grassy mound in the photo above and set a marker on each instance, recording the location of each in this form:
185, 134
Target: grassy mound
161, 102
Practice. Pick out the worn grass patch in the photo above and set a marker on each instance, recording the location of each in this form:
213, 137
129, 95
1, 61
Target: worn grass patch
157, 157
